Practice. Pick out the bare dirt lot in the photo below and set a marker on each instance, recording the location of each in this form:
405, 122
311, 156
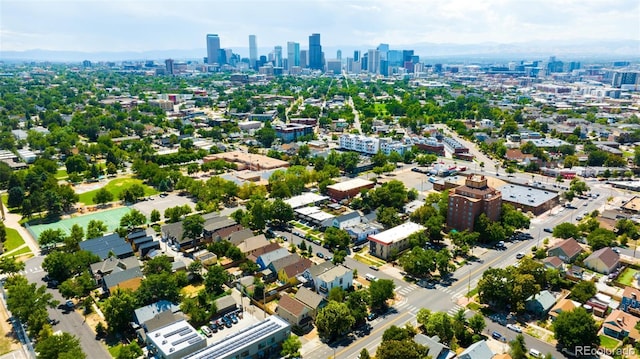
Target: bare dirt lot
159, 203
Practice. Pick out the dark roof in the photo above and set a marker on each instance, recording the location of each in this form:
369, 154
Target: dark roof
433, 343
226, 303
161, 320
553, 261
147, 246
297, 268
293, 306
139, 240
283, 262
347, 216
239, 236
114, 264
219, 223
101, 246
309, 298
260, 251
116, 278
570, 247
136, 234
606, 255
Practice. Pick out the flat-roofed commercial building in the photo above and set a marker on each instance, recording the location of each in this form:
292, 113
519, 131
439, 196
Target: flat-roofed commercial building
348, 189
394, 240
468, 202
175, 340
527, 199
260, 340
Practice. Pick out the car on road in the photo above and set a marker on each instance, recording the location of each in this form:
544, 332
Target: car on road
534, 353
373, 267
520, 255
496, 335
69, 304
616, 250
514, 327
328, 258
548, 230
500, 245
163, 195
372, 316
320, 255
206, 331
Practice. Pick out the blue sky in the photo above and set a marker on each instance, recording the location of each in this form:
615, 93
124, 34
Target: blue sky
143, 25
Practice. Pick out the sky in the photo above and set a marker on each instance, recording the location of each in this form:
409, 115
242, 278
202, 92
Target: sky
145, 25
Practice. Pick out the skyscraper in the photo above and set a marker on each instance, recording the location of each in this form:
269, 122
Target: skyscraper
213, 48
277, 56
373, 61
169, 66
253, 51
356, 55
315, 52
293, 54
339, 54
304, 59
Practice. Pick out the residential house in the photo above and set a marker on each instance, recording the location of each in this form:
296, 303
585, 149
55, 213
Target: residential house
553, 263
621, 325
563, 305
143, 314
112, 264
255, 254
311, 299
250, 244
107, 245
292, 271
279, 264
173, 232
567, 250
219, 228
437, 350
345, 220
265, 259
630, 302
541, 303
125, 279
225, 304
604, 260
330, 277
294, 312
238, 237
477, 350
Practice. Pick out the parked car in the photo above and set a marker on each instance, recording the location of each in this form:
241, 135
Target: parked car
220, 324
373, 267
227, 322
206, 331
69, 304
320, 255
372, 316
233, 318
548, 230
514, 327
520, 255
213, 326
496, 335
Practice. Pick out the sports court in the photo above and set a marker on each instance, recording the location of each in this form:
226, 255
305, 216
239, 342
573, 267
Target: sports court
110, 218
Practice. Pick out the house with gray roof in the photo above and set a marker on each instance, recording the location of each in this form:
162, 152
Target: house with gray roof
238, 237
143, 314
250, 244
225, 304
327, 276
437, 350
110, 265
541, 303
106, 245
277, 265
265, 259
477, 350
311, 299
126, 279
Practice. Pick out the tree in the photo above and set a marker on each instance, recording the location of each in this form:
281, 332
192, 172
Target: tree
11, 266
364, 354
60, 346
401, 349
576, 328
154, 216
266, 135
518, 349
195, 268
578, 186
440, 324
76, 164
583, 291
133, 219
15, 197
388, 217
163, 286
103, 196
566, 230
336, 238
3, 232
192, 226
77, 287
118, 310
477, 323
131, 351
334, 320
443, 262
380, 291
50, 237
71, 242
600, 238
291, 347
215, 278
29, 302
281, 212
95, 229
158, 265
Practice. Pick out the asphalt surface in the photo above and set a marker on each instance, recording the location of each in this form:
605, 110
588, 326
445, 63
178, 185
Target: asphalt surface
71, 322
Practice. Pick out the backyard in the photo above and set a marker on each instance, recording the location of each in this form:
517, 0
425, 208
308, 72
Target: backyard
628, 276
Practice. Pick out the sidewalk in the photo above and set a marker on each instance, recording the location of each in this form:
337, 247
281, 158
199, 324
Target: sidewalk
12, 220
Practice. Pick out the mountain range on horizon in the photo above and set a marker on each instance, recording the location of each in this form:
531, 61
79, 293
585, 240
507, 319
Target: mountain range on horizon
583, 50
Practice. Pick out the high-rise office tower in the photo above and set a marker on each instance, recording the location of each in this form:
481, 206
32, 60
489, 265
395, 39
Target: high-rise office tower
293, 54
253, 51
169, 65
339, 55
304, 59
373, 61
383, 49
315, 52
277, 56
356, 55
213, 48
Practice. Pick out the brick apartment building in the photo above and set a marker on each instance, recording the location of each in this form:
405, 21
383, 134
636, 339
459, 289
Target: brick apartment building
467, 202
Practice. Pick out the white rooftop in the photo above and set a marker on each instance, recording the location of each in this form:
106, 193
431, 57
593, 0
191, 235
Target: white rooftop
350, 184
305, 199
176, 337
397, 233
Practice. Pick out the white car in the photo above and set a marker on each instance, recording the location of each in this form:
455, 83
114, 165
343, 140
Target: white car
520, 255
514, 327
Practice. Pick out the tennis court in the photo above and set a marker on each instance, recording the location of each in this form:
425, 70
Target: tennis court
110, 218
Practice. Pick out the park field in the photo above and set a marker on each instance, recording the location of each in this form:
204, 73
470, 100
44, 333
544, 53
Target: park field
116, 187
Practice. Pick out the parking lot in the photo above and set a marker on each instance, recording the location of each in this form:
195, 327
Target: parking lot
162, 203
245, 321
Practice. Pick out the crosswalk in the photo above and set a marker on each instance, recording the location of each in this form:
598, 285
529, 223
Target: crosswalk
406, 307
406, 290
455, 308
37, 269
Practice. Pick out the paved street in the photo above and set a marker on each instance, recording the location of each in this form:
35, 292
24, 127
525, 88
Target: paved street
70, 322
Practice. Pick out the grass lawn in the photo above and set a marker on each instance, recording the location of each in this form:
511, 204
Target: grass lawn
62, 174
608, 342
115, 350
474, 306
14, 240
627, 276
380, 108
116, 187
20, 252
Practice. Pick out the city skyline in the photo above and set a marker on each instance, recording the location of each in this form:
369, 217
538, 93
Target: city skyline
146, 25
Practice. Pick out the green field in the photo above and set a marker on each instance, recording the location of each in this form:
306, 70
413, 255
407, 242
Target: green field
381, 109
14, 240
62, 174
627, 277
116, 187
608, 342
110, 218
